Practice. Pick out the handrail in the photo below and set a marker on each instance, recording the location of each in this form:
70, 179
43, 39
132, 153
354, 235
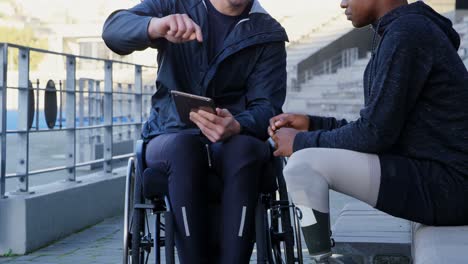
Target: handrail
92, 113
12, 45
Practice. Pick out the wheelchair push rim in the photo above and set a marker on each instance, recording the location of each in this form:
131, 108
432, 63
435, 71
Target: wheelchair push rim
135, 221
129, 184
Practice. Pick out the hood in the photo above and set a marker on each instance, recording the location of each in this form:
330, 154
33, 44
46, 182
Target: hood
256, 7
418, 8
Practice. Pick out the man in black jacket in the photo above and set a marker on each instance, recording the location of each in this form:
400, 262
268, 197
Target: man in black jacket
407, 154
233, 52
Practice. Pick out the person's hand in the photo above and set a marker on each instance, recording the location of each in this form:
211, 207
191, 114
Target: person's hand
217, 127
296, 121
284, 140
177, 28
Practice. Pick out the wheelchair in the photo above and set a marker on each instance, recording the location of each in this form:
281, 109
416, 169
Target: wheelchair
277, 220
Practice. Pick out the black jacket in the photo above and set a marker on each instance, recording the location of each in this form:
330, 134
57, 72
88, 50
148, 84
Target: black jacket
248, 76
416, 95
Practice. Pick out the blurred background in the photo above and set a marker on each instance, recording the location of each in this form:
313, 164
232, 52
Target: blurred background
96, 101
75, 26
326, 59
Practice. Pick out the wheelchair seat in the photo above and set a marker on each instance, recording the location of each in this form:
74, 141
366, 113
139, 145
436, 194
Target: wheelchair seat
155, 181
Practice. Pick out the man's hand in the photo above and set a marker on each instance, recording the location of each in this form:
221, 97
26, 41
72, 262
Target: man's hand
217, 127
177, 28
296, 121
284, 140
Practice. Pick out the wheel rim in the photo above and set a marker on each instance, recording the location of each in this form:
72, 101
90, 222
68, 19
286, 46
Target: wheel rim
129, 184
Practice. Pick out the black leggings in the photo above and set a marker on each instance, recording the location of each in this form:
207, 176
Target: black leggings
239, 162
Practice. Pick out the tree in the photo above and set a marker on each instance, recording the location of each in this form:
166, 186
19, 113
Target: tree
24, 37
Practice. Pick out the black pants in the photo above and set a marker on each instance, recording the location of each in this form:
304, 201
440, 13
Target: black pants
239, 162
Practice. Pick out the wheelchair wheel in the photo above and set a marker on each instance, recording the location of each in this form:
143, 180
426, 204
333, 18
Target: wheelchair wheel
128, 212
137, 239
141, 241
285, 234
282, 236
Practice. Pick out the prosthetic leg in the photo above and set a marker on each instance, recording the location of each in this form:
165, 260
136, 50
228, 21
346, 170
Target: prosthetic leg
317, 238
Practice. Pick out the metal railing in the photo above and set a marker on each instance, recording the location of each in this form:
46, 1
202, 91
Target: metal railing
341, 60
111, 107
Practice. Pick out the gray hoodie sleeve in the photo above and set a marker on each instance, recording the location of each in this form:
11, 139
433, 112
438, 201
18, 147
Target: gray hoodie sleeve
127, 30
401, 68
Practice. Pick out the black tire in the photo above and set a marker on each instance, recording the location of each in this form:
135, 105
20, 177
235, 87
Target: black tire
138, 221
128, 213
281, 224
276, 243
287, 227
285, 214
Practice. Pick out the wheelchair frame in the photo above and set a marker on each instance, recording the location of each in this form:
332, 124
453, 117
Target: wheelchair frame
278, 218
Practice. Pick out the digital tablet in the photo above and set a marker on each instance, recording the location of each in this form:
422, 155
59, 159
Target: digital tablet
185, 103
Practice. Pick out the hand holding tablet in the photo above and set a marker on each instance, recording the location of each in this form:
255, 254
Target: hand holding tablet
185, 103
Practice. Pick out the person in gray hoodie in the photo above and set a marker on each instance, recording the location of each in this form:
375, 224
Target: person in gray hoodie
407, 154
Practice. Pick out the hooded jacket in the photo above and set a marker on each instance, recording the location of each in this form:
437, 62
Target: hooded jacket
416, 94
248, 75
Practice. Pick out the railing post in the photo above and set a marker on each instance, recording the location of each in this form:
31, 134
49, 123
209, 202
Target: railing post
70, 113
138, 101
3, 111
91, 117
22, 167
145, 102
98, 112
119, 110
81, 139
108, 115
128, 110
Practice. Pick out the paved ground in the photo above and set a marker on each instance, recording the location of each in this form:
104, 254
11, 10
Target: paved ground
102, 244
99, 244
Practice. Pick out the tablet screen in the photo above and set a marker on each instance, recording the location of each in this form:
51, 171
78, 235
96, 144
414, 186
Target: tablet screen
185, 103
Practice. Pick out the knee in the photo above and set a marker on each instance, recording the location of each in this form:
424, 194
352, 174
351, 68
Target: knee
184, 144
296, 170
247, 147
175, 149
305, 167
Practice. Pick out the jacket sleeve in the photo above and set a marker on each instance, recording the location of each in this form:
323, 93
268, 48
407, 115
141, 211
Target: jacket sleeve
325, 123
266, 91
127, 30
402, 68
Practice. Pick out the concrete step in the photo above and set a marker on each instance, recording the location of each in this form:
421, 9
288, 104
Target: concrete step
363, 230
434, 245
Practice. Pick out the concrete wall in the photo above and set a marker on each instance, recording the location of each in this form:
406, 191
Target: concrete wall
53, 211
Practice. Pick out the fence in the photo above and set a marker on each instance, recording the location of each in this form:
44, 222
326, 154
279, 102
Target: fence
93, 109
331, 65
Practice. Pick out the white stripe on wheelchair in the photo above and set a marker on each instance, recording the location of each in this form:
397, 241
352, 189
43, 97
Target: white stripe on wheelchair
241, 229
184, 215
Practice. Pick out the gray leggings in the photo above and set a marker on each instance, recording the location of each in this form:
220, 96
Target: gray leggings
310, 173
